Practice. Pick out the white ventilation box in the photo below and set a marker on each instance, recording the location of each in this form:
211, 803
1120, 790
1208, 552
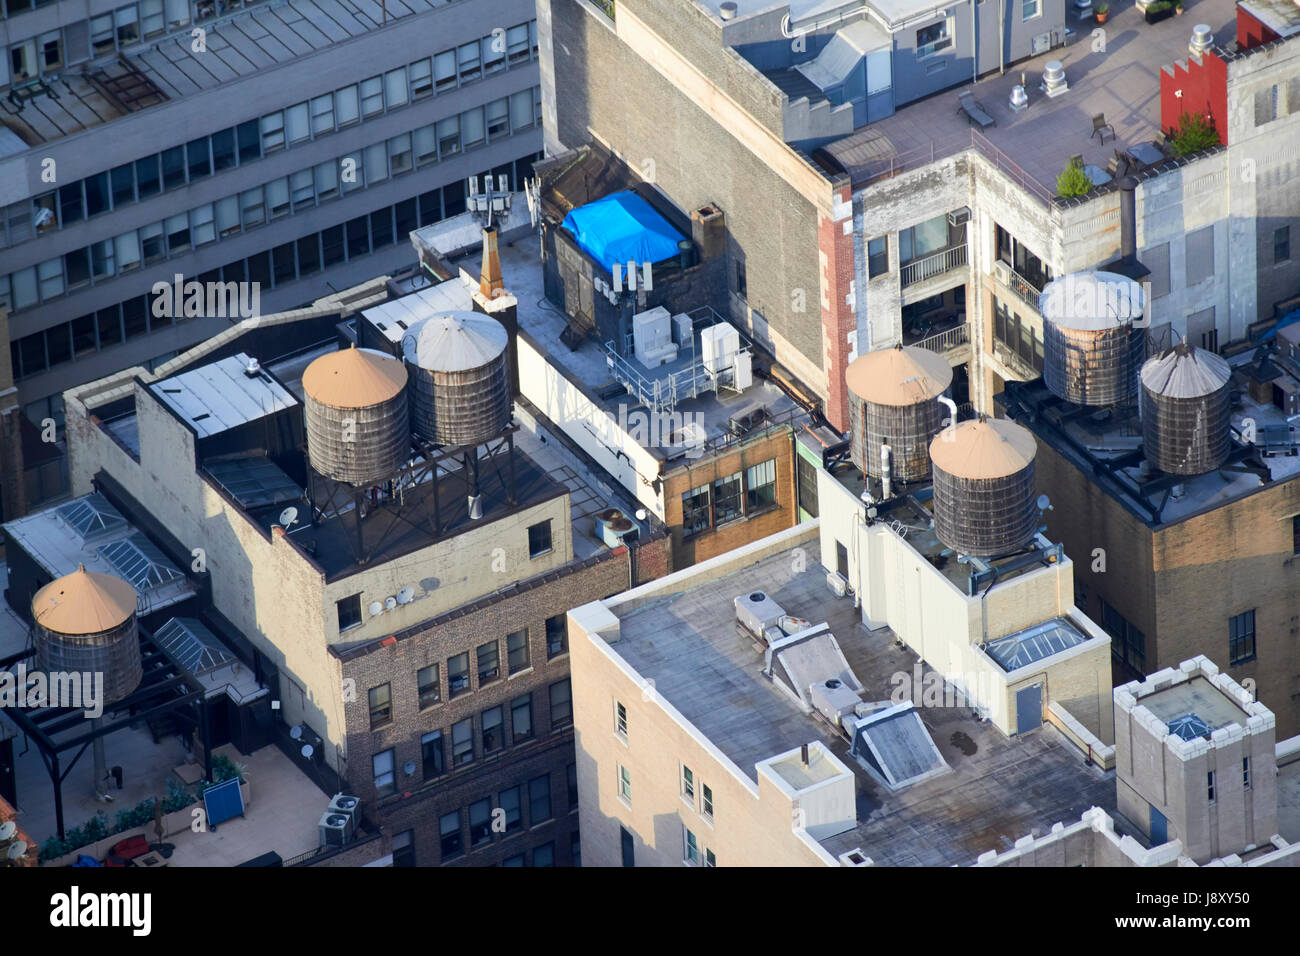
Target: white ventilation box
742, 365
652, 337
756, 612
839, 587
834, 699
718, 346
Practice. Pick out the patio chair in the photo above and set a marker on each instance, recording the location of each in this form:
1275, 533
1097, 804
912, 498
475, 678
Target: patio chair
975, 112
1112, 166
1100, 127
1160, 140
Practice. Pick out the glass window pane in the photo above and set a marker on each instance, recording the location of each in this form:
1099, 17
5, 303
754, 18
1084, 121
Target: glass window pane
202, 227
301, 189
173, 167
253, 208
277, 197
24, 288
322, 114
395, 88
444, 70
152, 247
309, 255
351, 172
345, 105
178, 236
376, 162
399, 153
227, 215
223, 149
250, 141
472, 127
199, 162
123, 184
273, 131
372, 96
497, 118
521, 110
296, 124
96, 194
449, 136
327, 180
127, 249
421, 73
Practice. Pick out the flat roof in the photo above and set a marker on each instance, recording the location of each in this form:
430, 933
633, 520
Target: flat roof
394, 317
1280, 16
999, 789
222, 395
1113, 438
1123, 84
1196, 697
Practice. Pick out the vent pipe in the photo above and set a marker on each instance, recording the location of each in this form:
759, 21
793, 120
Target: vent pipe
728, 10
886, 486
952, 410
803, 754
1202, 39
1128, 218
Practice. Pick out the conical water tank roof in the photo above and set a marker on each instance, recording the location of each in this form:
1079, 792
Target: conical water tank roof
984, 448
460, 382
1185, 371
892, 396
454, 342
984, 501
903, 375
84, 602
354, 378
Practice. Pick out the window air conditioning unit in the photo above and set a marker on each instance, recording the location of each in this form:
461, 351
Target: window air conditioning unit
959, 216
839, 587
1003, 272
335, 829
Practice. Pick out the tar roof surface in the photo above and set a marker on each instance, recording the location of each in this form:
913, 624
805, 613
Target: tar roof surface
1000, 789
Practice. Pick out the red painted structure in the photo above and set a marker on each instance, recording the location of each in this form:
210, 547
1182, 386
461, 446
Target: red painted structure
1197, 88
1251, 32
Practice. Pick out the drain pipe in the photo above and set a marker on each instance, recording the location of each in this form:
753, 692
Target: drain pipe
975, 42
1002, 37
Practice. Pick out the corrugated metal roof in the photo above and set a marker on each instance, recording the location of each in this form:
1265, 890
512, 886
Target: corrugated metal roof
455, 342
1185, 371
845, 51
1091, 300
904, 375
984, 448
221, 396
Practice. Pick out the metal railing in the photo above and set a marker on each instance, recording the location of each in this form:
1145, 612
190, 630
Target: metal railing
1005, 165
935, 264
893, 165
944, 341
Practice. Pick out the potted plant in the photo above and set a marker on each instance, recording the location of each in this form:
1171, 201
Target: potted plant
1178, 8
1073, 181
1101, 12
1159, 10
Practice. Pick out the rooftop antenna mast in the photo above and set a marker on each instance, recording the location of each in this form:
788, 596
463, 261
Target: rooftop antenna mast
486, 207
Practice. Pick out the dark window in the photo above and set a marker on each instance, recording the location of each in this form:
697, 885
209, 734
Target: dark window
842, 560
381, 706
384, 775
381, 227
1241, 637
462, 742
1209, 784
494, 737
282, 263
358, 237
1282, 244
83, 334
198, 158
557, 635
741, 287
223, 149
516, 860
135, 317
31, 349
510, 801
1127, 644
544, 855
407, 218
449, 836
430, 207
629, 855
123, 184
249, 136
309, 254
695, 511
109, 322
539, 538
173, 167
430, 687
489, 662
404, 848
349, 610
806, 484
233, 272
70, 205
454, 199
458, 675
561, 703
259, 268
517, 651
96, 194
76, 267
760, 486
58, 344
146, 176
480, 822
571, 783
877, 257
1245, 772
539, 800
431, 754
521, 718
332, 245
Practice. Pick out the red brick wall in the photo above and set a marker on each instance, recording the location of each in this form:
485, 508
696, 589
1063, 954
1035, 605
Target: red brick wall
838, 319
1201, 88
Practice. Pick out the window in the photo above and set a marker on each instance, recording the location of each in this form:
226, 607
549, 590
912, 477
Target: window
372, 96
625, 838
381, 706
1200, 255
404, 848
444, 70
557, 635
841, 560
346, 108
517, 860
173, 167
511, 802
462, 742
322, 114
381, 228
561, 703
1210, 785
521, 110
128, 28
695, 511
480, 822
494, 737
624, 783
539, 800
544, 855
877, 256
385, 777
327, 181
489, 662
399, 154
430, 688
70, 206
517, 651
710, 859
96, 193
539, 538
741, 285
1266, 101
805, 473
421, 75
458, 675
1029, 9
1282, 240
249, 137
101, 35
498, 118
571, 780
431, 754
450, 839
467, 58
934, 38
1241, 637
620, 720
254, 211
122, 180
760, 486
1245, 772
691, 854
1128, 644
517, 43
521, 718
923, 239
706, 801
349, 611
301, 190
277, 197
375, 163
688, 785
198, 158
494, 54
471, 127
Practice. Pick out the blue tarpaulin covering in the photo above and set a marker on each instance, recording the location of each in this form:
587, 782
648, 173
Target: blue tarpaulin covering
622, 227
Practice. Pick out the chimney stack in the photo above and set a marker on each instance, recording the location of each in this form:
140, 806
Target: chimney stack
490, 283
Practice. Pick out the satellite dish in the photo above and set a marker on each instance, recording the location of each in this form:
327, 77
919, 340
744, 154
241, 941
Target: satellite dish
409, 768
390, 602
295, 732
376, 609
307, 751
406, 595
18, 850
288, 517
1044, 503
7, 830
642, 514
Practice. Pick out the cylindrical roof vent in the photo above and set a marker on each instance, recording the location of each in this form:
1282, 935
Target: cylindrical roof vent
892, 396
1186, 410
356, 415
1092, 348
984, 500
86, 624
728, 10
1202, 39
460, 386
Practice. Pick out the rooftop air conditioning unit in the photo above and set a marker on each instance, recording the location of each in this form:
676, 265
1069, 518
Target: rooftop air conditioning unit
959, 216
335, 829
839, 587
349, 806
756, 612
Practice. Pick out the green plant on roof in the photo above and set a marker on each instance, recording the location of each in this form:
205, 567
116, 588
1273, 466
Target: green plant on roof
1073, 181
1195, 132
1103, 8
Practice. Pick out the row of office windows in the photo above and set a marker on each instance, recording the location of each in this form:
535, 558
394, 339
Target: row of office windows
186, 163
438, 757
513, 811
743, 494
282, 197
126, 25
36, 353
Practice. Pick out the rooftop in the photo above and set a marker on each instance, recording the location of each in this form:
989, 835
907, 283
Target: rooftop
999, 789
1196, 698
1032, 146
251, 39
223, 395
1107, 443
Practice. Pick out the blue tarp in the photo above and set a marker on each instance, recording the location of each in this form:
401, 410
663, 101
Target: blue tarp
622, 227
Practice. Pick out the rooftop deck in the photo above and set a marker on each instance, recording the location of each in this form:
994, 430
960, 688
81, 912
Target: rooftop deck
1033, 145
1000, 789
